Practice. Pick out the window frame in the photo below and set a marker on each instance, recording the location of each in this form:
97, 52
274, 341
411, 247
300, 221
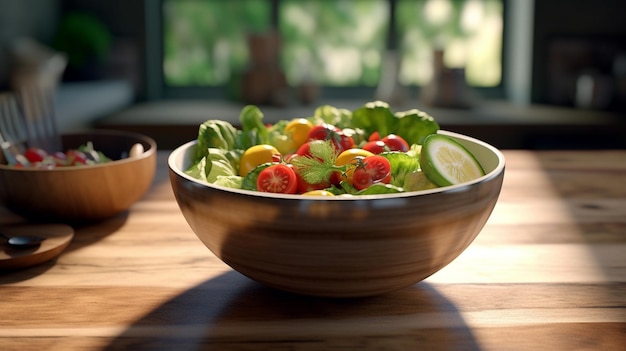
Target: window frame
157, 89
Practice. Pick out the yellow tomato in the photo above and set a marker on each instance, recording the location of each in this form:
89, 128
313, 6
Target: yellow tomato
349, 156
319, 193
297, 130
283, 144
256, 155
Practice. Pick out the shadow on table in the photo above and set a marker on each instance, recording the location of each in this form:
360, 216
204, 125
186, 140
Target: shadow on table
231, 312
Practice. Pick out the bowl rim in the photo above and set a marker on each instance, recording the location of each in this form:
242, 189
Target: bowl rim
498, 169
146, 154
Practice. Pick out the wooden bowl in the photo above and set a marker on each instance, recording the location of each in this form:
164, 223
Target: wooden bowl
339, 246
82, 193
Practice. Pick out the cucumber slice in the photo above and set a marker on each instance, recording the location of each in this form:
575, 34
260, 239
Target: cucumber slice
446, 162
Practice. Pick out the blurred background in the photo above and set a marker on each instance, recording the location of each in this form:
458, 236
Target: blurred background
494, 62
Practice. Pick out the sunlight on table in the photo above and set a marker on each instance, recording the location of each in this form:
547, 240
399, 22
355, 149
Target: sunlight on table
487, 260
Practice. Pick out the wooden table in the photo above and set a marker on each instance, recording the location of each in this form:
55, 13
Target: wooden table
548, 272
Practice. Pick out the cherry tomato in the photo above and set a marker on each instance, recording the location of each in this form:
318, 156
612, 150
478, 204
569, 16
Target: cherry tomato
297, 130
375, 146
303, 185
323, 131
283, 144
396, 143
375, 169
278, 178
340, 140
348, 156
345, 141
76, 158
257, 155
305, 149
35, 154
374, 136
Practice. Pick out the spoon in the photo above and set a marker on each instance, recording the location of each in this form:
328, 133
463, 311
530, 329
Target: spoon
22, 241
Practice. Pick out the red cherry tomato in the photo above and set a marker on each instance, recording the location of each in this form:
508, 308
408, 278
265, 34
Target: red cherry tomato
396, 143
323, 131
35, 154
375, 146
374, 136
375, 169
345, 141
278, 178
305, 149
303, 185
326, 131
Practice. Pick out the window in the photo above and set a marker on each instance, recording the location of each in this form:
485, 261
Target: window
204, 42
469, 32
339, 44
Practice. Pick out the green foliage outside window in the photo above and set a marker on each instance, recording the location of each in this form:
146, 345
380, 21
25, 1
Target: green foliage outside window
469, 32
205, 41
335, 43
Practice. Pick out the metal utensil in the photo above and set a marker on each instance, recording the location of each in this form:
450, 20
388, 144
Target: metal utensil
22, 241
34, 81
11, 130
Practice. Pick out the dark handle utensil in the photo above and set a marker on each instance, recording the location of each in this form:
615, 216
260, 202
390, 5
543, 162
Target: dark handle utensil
22, 241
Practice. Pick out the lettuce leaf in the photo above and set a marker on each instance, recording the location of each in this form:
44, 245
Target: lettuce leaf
380, 188
401, 165
417, 181
216, 163
412, 125
229, 181
338, 117
215, 134
253, 131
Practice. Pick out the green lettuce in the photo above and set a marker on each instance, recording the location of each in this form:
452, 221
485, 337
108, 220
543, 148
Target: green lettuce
338, 117
417, 181
380, 188
401, 165
215, 134
253, 130
229, 181
412, 125
216, 163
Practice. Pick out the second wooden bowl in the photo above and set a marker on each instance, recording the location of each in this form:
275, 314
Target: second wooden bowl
82, 193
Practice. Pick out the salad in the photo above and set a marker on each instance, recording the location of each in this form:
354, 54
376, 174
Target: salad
370, 150
83, 155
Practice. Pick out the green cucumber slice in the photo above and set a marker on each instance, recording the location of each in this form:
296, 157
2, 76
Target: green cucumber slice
446, 162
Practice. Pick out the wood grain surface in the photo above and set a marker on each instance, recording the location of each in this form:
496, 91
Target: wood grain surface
56, 237
548, 272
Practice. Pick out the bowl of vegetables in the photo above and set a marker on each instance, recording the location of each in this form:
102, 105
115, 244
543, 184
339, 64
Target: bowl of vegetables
338, 204
98, 174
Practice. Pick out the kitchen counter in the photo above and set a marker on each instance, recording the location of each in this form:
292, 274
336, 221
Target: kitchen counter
500, 123
548, 272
